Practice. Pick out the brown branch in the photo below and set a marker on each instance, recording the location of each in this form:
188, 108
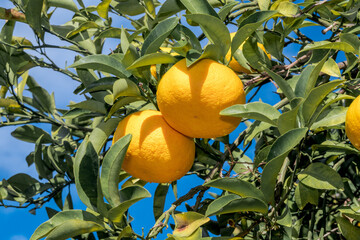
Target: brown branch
12, 14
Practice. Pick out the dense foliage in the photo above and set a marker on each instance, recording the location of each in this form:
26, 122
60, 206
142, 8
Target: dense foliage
304, 180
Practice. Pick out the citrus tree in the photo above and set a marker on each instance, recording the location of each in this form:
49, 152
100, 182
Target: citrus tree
186, 58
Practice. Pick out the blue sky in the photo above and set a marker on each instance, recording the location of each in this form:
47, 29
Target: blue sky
19, 224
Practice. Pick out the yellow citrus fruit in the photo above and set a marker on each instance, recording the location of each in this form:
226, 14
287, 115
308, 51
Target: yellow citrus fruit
235, 65
191, 99
157, 152
352, 123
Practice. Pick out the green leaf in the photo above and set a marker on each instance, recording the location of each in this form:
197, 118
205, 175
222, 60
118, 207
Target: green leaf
159, 199
128, 196
91, 105
316, 96
44, 229
86, 173
288, 9
125, 88
99, 136
199, 6
102, 84
288, 120
33, 12
43, 98
42, 168
30, 133
103, 8
352, 39
321, 176
110, 170
254, 129
214, 29
278, 151
103, 63
264, 4
283, 85
274, 44
151, 59
285, 218
257, 110
83, 27
341, 46
308, 77
128, 7
305, 195
331, 68
233, 203
248, 27
349, 231
211, 51
330, 118
158, 35
66, 4
72, 228
121, 103
226, 9
237, 186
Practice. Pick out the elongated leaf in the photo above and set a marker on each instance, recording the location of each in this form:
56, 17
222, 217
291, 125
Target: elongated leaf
214, 29
33, 10
72, 228
316, 96
257, 110
248, 27
83, 27
232, 203
99, 136
159, 199
283, 85
349, 231
103, 63
321, 176
152, 58
341, 46
43, 98
86, 171
103, 8
158, 35
60, 218
91, 105
111, 168
308, 77
237, 186
288, 120
30, 133
129, 196
305, 195
199, 6
226, 9
330, 118
102, 84
278, 151
66, 4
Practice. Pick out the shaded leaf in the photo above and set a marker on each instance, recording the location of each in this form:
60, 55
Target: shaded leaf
187, 223
159, 199
349, 231
320, 176
305, 195
278, 151
99, 136
110, 170
30, 133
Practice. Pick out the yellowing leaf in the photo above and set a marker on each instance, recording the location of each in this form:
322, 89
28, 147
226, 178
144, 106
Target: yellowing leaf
103, 8
331, 68
187, 223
